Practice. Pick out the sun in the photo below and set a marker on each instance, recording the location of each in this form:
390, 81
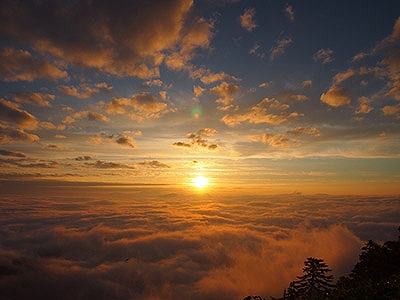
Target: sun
200, 182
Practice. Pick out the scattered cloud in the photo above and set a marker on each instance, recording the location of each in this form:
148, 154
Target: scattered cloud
6, 152
122, 140
198, 90
11, 135
154, 164
268, 110
247, 19
336, 97
391, 110
140, 107
89, 115
364, 107
198, 139
38, 99
255, 50
324, 56
126, 141
280, 47
226, 91
307, 84
101, 164
16, 65
84, 91
289, 11
12, 112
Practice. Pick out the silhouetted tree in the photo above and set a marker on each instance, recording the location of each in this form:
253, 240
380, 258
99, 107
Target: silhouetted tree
254, 298
314, 283
375, 276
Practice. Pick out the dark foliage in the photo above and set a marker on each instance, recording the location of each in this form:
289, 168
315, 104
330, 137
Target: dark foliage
376, 276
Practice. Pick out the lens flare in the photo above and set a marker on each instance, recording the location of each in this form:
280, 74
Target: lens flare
196, 112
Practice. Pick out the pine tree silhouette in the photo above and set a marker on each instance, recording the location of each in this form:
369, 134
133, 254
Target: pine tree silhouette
313, 283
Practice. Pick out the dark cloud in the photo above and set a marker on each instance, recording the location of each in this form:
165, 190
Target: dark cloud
99, 34
16, 65
38, 99
154, 164
5, 152
101, 164
126, 141
10, 135
198, 139
11, 112
84, 91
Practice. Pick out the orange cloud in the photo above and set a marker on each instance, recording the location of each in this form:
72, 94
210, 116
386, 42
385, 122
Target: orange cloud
38, 99
199, 139
280, 47
289, 12
268, 110
13, 113
10, 135
18, 65
140, 107
225, 91
115, 44
247, 19
336, 97
324, 55
84, 91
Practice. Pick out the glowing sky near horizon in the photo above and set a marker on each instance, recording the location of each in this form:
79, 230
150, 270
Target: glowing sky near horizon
280, 95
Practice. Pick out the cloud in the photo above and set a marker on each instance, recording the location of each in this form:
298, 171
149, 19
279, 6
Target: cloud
268, 110
139, 107
280, 47
391, 110
10, 135
89, 115
247, 19
83, 158
123, 242
154, 164
16, 65
38, 99
101, 164
284, 140
206, 76
324, 55
84, 91
226, 91
307, 83
336, 97
364, 107
122, 140
255, 51
12, 112
305, 131
126, 141
6, 152
198, 90
289, 12
198, 139
104, 36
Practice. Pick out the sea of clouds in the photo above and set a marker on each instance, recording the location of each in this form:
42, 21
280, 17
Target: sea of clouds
154, 242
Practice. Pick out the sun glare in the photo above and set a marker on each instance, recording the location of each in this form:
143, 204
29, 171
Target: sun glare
200, 182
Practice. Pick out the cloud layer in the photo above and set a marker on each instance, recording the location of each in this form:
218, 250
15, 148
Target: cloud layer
158, 243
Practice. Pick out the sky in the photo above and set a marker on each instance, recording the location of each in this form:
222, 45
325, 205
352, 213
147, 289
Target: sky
193, 149
273, 96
